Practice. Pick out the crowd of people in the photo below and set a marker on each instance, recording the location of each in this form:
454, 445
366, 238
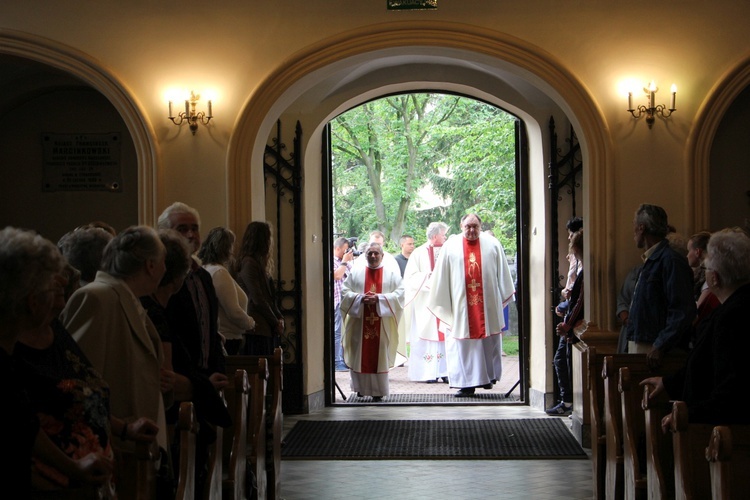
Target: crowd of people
105, 333
448, 299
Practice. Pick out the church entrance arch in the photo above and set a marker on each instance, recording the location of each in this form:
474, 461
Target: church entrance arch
339, 73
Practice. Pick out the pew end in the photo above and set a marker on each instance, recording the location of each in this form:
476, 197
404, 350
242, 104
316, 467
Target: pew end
187, 425
728, 455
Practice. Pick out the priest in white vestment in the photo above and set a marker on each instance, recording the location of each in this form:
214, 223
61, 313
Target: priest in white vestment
426, 332
471, 284
371, 305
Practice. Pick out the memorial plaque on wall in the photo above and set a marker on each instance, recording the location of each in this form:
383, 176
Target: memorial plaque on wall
412, 4
82, 162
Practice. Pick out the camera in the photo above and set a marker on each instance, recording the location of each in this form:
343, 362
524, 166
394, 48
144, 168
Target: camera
353, 247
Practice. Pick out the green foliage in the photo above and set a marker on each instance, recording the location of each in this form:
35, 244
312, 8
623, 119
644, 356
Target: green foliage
404, 161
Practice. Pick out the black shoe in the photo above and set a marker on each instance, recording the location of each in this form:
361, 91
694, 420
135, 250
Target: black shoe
444, 379
465, 393
377, 399
430, 381
359, 395
487, 386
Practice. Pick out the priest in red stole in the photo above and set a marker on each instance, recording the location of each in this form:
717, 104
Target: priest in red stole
471, 284
371, 305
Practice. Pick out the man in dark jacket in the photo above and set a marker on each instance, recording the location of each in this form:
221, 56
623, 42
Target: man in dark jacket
663, 308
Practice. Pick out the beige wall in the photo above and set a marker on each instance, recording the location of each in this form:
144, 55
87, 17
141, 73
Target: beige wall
23, 203
235, 47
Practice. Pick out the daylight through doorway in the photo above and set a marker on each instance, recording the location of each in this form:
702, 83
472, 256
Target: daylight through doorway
403, 161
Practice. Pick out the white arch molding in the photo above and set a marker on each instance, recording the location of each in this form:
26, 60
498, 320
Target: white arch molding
90, 71
527, 61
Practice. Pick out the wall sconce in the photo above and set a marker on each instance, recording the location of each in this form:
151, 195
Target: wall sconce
652, 109
189, 115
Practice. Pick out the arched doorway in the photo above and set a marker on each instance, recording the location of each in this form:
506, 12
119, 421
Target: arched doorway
88, 74
349, 69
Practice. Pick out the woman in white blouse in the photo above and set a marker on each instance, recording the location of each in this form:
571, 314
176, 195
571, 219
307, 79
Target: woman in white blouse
215, 254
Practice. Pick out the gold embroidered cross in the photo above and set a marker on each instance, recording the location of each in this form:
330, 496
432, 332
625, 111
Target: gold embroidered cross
372, 318
474, 285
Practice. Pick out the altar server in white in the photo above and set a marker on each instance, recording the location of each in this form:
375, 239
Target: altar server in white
426, 332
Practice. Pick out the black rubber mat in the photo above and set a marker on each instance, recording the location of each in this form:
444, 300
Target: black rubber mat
479, 397
514, 439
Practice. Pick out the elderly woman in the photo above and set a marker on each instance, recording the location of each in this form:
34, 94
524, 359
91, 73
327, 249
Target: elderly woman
70, 398
254, 267
108, 322
705, 300
83, 248
29, 265
715, 373
234, 322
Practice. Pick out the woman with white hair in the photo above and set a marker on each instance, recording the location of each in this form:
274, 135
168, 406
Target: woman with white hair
29, 265
715, 373
111, 327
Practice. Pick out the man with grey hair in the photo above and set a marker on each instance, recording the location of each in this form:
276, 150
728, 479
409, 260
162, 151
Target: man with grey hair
192, 312
663, 308
426, 333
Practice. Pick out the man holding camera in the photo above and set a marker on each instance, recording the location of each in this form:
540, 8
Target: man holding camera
342, 264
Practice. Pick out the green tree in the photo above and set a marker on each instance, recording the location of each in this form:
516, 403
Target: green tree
387, 150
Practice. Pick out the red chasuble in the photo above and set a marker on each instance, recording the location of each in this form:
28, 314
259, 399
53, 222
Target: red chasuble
474, 290
371, 322
433, 257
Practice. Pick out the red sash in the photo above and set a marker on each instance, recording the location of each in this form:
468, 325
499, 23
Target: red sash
474, 290
431, 253
371, 323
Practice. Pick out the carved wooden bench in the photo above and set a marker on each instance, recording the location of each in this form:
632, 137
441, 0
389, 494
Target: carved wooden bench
257, 372
728, 454
187, 425
659, 454
234, 484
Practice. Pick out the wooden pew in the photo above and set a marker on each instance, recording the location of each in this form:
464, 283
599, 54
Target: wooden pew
616, 426
274, 421
213, 488
146, 455
234, 484
612, 416
728, 454
659, 455
274, 424
257, 371
188, 428
691, 473
633, 430
595, 389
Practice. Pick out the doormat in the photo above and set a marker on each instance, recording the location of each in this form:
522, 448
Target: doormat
509, 439
479, 399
